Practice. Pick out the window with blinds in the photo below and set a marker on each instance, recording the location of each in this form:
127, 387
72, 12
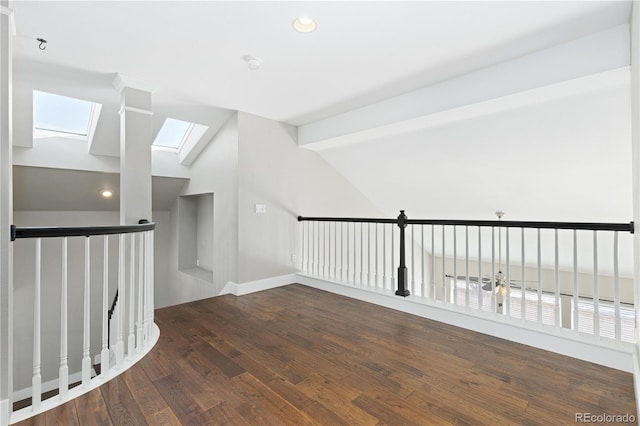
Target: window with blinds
607, 315
531, 313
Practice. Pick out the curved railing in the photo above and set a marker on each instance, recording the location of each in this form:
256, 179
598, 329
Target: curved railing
99, 263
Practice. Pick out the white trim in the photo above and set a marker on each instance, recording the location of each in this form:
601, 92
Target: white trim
258, 285
134, 109
97, 381
4, 10
618, 356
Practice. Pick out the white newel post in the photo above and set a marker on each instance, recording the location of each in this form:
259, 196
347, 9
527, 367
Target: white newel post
135, 204
6, 213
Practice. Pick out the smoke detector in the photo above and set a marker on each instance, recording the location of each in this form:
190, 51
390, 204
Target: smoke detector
253, 63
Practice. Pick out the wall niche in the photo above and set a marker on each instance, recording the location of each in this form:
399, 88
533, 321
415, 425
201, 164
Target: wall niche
195, 235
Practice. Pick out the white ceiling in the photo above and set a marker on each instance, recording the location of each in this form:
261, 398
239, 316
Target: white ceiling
563, 160
361, 52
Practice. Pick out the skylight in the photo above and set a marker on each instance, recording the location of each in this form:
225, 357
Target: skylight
61, 114
173, 133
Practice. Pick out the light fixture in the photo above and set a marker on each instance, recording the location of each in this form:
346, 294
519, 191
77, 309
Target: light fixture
106, 193
252, 62
304, 24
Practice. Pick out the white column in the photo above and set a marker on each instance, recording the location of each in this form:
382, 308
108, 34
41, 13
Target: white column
135, 156
6, 213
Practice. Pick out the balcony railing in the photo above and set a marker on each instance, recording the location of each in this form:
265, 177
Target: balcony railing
571, 275
97, 263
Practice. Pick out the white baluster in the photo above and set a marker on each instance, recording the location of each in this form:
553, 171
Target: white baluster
596, 289
576, 312
361, 252
508, 284
384, 256
36, 380
393, 263
539, 278
376, 265
151, 281
466, 265
523, 286
479, 268
131, 341
326, 246
493, 271
432, 290
104, 354
444, 268
120, 308
86, 341
413, 269
556, 313
302, 256
455, 265
335, 250
616, 288
149, 319
369, 254
423, 286
141, 277
348, 252
63, 375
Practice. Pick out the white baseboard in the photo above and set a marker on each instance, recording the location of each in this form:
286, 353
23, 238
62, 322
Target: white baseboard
258, 285
562, 341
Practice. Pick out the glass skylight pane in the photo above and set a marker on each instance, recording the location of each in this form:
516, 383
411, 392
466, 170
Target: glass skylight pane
172, 133
61, 114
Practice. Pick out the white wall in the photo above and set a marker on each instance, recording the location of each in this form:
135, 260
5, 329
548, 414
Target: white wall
565, 160
215, 171
291, 181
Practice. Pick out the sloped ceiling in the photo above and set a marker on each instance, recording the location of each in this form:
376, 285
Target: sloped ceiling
361, 51
565, 160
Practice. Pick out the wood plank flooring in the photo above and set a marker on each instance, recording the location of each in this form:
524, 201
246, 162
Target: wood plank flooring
299, 356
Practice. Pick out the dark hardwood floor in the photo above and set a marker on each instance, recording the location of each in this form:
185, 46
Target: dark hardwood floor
296, 355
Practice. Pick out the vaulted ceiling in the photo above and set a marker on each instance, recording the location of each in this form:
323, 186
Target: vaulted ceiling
550, 158
361, 51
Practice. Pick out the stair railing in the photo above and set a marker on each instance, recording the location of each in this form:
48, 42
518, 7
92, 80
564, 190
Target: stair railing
138, 321
544, 267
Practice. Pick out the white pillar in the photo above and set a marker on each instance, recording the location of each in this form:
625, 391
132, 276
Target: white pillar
6, 213
135, 156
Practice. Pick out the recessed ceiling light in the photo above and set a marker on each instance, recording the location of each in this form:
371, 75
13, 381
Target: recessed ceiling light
106, 193
304, 24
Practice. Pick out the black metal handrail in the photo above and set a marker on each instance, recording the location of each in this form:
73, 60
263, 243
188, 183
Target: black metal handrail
402, 221
77, 231
589, 226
